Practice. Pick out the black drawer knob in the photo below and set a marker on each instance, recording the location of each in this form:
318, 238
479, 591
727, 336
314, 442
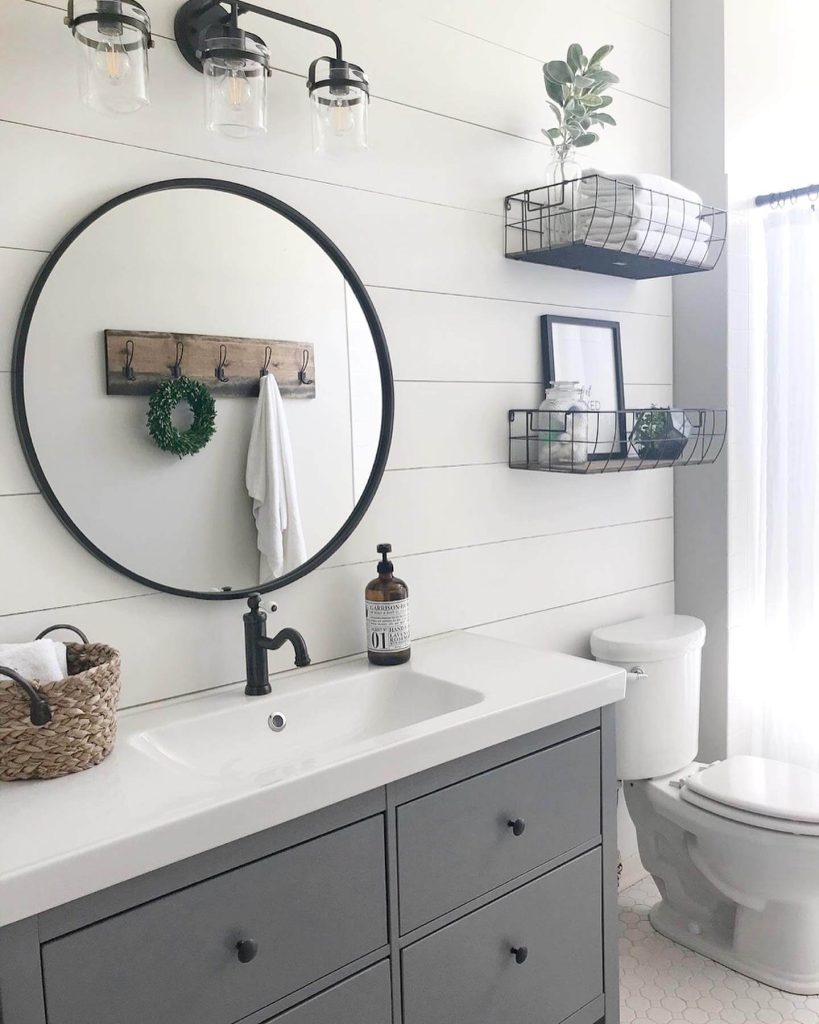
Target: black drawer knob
520, 953
246, 950
518, 826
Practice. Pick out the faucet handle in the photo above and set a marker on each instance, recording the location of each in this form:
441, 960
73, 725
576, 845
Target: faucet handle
254, 601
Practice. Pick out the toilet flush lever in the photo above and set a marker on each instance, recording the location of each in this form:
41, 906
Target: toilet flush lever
635, 674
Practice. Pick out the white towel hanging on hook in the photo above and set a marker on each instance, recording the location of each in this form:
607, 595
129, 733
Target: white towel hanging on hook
271, 483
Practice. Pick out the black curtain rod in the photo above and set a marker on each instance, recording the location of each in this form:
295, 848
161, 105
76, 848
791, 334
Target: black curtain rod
794, 193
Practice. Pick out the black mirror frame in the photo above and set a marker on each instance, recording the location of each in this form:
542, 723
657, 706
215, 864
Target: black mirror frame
379, 341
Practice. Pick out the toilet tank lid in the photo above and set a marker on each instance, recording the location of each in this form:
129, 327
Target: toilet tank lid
653, 638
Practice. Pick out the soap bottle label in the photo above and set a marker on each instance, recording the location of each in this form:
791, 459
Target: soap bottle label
388, 625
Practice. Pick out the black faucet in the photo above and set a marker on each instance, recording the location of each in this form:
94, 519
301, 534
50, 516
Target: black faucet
257, 644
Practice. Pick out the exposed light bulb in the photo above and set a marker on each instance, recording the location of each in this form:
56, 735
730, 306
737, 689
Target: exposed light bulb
236, 89
341, 114
113, 62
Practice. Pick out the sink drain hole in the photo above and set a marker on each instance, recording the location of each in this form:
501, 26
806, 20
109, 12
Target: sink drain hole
277, 722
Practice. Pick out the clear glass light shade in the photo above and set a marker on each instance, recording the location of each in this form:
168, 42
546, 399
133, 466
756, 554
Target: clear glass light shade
236, 74
339, 108
113, 38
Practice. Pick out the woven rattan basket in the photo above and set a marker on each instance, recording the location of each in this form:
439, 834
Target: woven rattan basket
83, 723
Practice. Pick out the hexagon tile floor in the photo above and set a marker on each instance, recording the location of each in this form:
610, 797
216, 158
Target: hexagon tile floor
663, 983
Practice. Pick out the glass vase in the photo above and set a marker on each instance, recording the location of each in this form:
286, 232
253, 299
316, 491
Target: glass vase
561, 175
563, 165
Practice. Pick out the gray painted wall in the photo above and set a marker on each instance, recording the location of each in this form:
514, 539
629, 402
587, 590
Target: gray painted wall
700, 350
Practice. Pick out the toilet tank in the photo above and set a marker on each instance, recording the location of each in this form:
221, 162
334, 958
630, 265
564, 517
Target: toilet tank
658, 722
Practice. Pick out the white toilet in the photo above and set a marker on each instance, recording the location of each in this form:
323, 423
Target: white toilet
732, 846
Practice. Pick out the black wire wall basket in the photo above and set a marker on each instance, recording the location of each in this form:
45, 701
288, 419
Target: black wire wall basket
624, 440
608, 226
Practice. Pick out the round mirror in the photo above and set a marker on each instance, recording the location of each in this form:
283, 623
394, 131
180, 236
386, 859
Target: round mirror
185, 296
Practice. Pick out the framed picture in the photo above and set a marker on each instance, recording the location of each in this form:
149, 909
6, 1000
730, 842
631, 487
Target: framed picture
588, 351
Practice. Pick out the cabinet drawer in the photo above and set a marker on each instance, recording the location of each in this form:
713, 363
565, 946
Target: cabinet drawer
457, 844
310, 910
466, 974
362, 999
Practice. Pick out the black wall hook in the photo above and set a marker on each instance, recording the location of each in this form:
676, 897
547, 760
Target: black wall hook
176, 369
305, 360
128, 370
220, 369
268, 355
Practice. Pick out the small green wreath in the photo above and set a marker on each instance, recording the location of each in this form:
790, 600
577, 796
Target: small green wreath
162, 404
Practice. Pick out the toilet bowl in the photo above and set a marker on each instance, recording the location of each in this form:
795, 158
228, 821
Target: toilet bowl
733, 846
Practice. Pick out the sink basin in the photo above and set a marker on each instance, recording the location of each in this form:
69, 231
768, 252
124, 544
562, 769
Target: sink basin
303, 722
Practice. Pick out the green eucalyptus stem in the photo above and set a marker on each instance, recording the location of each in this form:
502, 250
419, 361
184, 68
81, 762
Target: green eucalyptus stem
575, 90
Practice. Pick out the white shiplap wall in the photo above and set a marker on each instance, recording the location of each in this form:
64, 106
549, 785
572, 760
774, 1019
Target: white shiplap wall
455, 125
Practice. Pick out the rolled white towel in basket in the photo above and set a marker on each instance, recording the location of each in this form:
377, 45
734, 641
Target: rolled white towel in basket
42, 661
662, 245
646, 200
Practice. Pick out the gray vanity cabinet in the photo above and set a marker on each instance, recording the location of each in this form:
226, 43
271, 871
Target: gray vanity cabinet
307, 911
363, 999
555, 925
475, 835
482, 891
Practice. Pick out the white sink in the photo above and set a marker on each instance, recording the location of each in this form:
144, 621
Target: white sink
267, 738
203, 770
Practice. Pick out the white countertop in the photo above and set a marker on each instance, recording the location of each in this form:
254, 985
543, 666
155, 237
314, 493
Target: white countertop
140, 810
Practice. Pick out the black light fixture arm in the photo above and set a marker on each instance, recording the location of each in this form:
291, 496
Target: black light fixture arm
307, 26
195, 17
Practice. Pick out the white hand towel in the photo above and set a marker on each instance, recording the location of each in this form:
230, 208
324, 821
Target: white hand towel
41, 661
657, 245
603, 220
271, 483
605, 202
606, 187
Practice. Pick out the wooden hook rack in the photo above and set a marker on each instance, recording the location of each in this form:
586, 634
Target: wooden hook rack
137, 361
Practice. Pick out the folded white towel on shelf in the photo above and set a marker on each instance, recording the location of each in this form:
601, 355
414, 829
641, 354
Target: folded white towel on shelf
645, 200
656, 245
271, 483
602, 221
42, 661
606, 201
616, 233
606, 185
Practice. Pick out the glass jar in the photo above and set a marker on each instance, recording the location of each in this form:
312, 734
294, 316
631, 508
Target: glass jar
563, 425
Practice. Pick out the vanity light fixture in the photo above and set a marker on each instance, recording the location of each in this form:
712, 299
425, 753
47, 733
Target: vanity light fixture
114, 37
236, 66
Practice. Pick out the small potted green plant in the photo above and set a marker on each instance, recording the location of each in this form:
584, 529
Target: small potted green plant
575, 90
660, 433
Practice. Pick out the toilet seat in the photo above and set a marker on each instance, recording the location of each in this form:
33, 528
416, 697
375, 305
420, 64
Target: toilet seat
758, 791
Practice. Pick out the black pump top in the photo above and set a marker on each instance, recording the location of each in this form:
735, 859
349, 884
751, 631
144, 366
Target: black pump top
385, 565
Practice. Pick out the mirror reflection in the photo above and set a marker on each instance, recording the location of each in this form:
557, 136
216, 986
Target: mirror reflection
212, 288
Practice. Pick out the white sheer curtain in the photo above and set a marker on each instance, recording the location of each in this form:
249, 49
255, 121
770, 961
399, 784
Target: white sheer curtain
774, 487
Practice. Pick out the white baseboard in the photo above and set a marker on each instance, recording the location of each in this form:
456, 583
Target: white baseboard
633, 871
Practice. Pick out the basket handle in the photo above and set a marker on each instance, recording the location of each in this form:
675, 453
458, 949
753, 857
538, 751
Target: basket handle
63, 625
39, 709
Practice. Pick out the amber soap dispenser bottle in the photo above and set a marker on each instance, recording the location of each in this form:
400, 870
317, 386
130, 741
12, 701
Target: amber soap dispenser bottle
387, 603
